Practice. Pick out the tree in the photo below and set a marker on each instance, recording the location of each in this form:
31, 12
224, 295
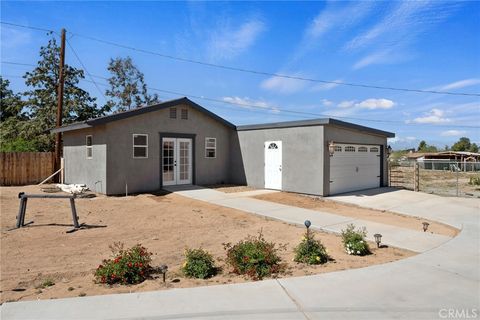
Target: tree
463, 144
127, 86
424, 147
41, 102
11, 103
473, 148
13, 120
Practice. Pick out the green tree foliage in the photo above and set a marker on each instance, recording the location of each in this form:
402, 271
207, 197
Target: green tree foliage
11, 103
128, 89
13, 119
424, 147
464, 144
30, 130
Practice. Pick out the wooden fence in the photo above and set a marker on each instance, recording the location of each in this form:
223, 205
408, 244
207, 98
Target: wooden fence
21, 168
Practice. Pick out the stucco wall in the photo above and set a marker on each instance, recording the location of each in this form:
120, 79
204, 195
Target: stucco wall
144, 174
79, 169
302, 161
343, 135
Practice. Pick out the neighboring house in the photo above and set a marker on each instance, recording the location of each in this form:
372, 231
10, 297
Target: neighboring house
180, 142
447, 160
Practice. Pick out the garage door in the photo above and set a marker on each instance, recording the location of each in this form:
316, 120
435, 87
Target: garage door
354, 167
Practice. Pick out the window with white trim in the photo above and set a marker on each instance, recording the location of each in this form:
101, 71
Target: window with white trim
374, 149
338, 148
140, 146
349, 149
362, 149
89, 146
210, 147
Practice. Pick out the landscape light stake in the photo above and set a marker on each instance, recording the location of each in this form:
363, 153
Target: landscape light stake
425, 226
163, 270
378, 239
307, 224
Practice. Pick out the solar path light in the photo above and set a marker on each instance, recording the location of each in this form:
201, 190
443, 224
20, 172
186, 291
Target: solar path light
378, 239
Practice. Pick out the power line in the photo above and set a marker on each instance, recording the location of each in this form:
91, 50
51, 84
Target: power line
26, 27
278, 75
85, 68
18, 63
274, 108
257, 72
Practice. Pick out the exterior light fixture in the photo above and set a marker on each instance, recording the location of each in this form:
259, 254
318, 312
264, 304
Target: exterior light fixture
389, 151
163, 269
331, 148
425, 226
378, 239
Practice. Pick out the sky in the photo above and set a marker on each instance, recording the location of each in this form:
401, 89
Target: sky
425, 45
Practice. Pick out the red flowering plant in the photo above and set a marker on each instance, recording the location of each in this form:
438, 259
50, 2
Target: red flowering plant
130, 266
254, 257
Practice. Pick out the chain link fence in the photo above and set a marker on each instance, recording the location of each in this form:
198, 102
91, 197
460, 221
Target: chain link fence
449, 178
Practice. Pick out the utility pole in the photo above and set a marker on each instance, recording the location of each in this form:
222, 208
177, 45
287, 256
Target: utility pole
61, 82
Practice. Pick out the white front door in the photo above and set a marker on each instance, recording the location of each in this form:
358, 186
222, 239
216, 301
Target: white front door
176, 161
354, 167
273, 165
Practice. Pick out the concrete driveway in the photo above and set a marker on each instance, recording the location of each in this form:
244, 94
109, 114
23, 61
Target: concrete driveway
441, 283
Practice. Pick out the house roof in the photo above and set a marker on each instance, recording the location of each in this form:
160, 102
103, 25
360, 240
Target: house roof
185, 101
138, 111
315, 122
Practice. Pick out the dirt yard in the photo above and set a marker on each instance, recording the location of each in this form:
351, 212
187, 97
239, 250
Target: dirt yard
385, 217
437, 181
165, 224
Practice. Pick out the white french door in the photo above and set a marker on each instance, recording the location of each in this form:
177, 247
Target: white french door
273, 165
176, 161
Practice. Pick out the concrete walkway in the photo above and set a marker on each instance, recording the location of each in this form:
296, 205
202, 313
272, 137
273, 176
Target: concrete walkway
431, 285
417, 241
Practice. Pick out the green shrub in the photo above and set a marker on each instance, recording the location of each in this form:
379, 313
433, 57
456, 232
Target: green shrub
254, 257
129, 266
310, 251
474, 181
198, 264
354, 241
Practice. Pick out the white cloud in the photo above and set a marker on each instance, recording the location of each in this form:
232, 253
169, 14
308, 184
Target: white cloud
327, 86
434, 116
248, 103
346, 104
385, 56
373, 104
336, 17
327, 103
391, 37
283, 85
453, 133
460, 84
370, 104
227, 42
407, 20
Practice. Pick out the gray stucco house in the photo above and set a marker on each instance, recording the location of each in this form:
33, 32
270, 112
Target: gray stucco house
180, 142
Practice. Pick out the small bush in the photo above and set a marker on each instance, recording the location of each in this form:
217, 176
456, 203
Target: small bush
310, 251
129, 266
46, 283
198, 264
254, 257
474, 181
354, 241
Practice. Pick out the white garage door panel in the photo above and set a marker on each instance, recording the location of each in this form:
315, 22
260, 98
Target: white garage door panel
350, 171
